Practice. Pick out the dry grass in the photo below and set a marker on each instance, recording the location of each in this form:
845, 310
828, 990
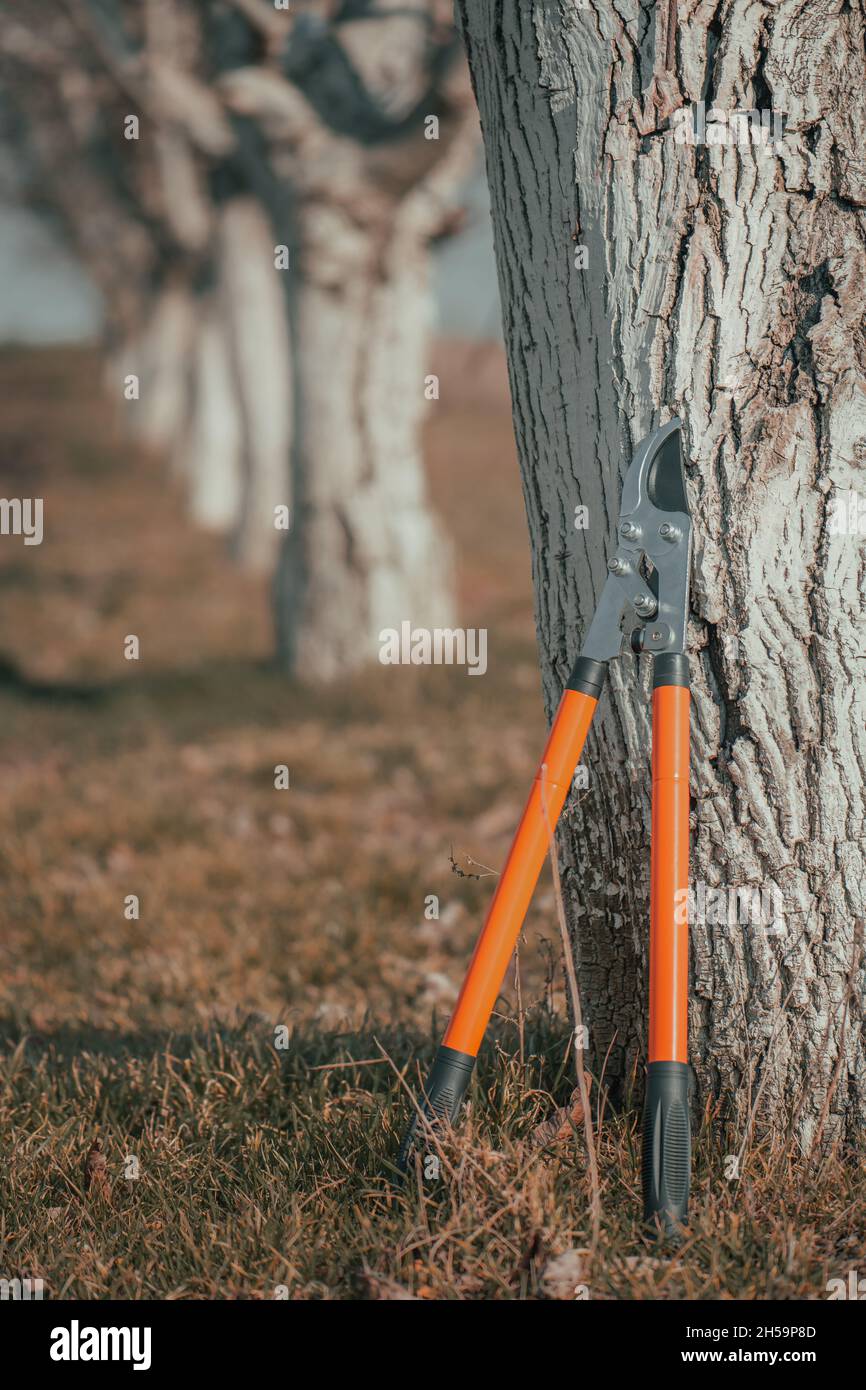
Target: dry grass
260, 1167
260, 1170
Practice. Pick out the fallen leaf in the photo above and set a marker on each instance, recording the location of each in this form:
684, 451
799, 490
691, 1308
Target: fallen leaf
96, 1181
564, 1276
562, 1122
388, 1290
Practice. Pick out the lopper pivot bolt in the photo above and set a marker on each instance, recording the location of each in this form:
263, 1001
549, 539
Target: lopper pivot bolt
643, 606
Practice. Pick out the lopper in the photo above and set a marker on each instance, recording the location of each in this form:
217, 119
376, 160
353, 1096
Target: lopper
643, 607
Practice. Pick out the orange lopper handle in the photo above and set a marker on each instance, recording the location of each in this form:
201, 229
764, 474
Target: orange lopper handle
515, 888
669, 876
452, 1068
666, 1148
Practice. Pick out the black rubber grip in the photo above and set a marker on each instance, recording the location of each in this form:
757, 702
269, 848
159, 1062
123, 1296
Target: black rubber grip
667, 1145
443, 1094
588, 675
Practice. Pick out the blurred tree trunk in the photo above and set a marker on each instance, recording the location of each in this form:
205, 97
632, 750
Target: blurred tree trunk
212, 449
262, 243
374, 181
259, 356
366, 552
724, 283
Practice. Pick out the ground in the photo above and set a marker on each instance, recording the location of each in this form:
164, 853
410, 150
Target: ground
230, 1166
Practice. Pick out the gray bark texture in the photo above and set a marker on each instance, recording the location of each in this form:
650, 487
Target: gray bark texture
725, 282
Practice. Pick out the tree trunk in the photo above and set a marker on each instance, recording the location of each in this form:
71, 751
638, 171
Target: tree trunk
366, 552
258, 340
725, 283
354, 125
159, 356
213, 445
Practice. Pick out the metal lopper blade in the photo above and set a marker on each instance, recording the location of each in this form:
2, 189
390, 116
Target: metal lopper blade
648, 580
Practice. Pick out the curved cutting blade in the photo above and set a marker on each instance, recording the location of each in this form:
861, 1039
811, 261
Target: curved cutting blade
648, 581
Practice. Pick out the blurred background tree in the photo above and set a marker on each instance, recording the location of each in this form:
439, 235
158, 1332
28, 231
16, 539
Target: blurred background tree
255, 191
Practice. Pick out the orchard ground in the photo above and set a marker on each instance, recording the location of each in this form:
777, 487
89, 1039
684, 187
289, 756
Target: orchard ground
329, 916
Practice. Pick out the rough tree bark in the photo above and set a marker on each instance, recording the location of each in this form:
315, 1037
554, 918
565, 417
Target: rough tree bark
263, 129
724, 282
